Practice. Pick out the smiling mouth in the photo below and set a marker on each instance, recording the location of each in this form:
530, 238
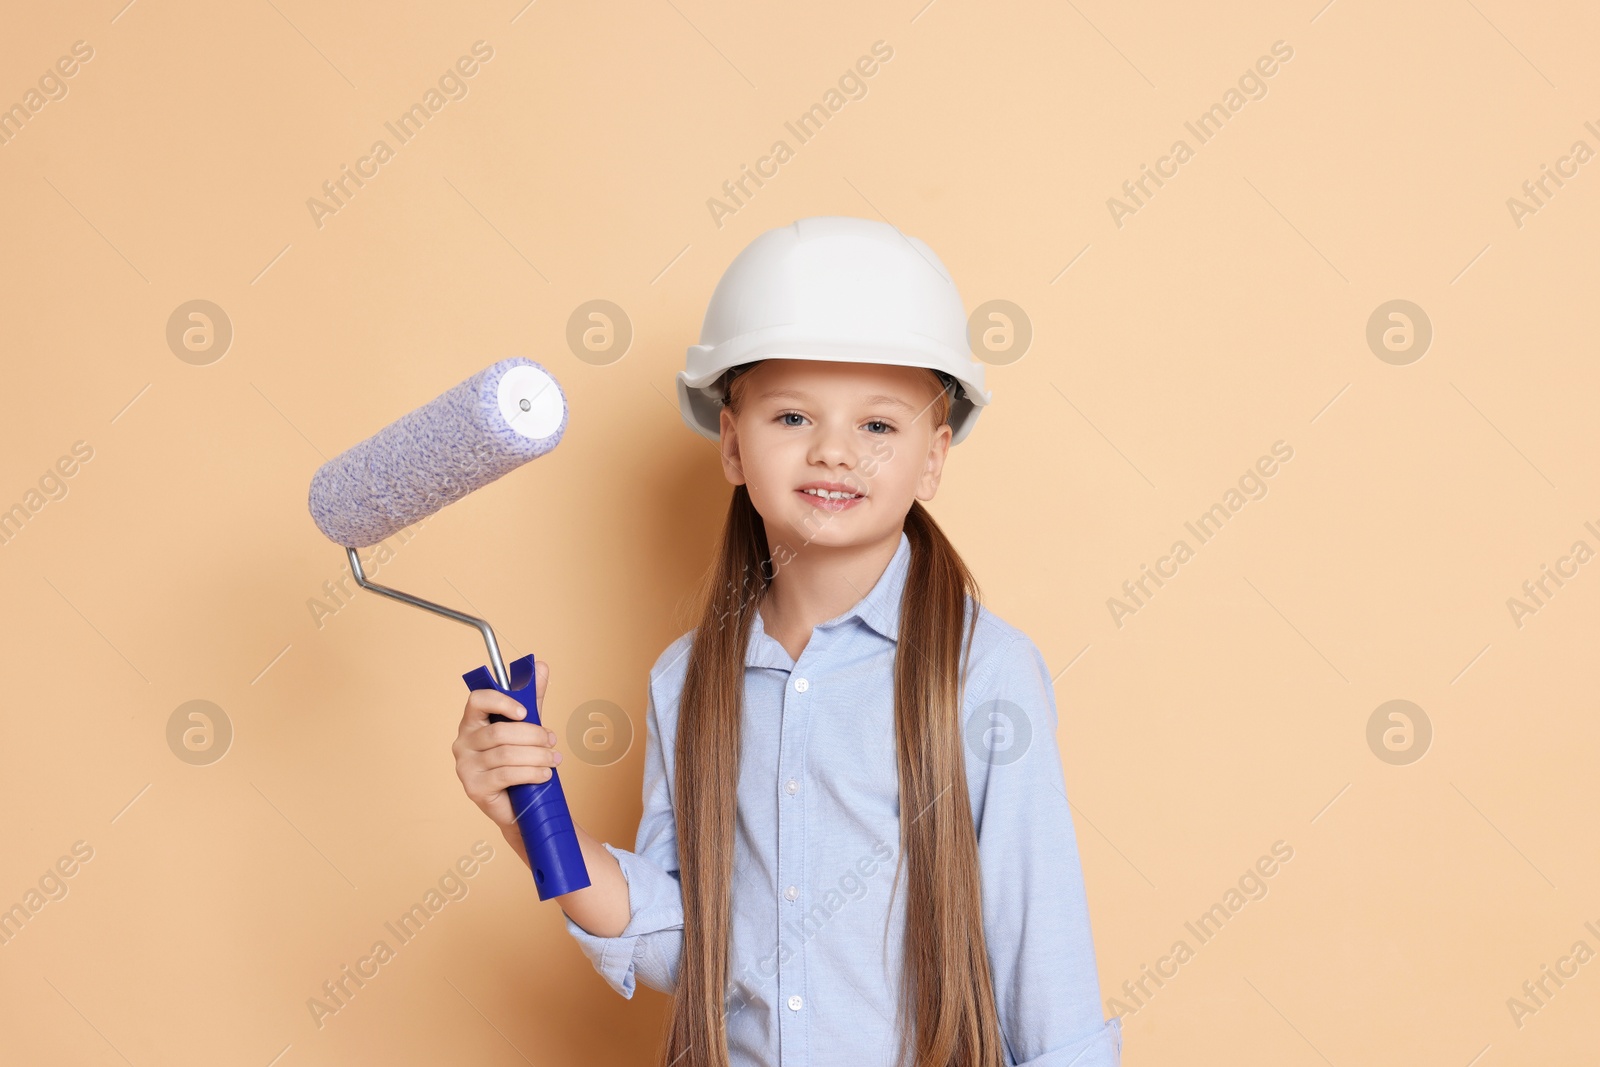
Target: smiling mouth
831, 500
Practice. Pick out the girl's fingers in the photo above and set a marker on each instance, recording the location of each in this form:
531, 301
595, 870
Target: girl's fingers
493, 756
494, 734
481, 703
486, 787
506, 777
517, 756
541, 679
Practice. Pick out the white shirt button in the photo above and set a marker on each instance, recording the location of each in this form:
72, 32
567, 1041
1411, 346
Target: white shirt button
794, 1002
801, 685
792, 786
791, 892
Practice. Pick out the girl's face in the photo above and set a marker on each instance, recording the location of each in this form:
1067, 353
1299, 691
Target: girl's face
806, 427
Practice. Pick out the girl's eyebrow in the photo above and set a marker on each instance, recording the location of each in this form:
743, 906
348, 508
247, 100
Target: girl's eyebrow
795, 394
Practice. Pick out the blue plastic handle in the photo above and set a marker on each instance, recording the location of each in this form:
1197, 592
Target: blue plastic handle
541, 808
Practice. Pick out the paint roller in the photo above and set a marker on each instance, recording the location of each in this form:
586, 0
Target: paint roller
484, 428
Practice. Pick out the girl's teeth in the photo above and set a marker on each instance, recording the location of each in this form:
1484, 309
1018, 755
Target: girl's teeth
830, 494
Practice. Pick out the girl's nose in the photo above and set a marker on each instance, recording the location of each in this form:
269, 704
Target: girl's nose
834, 445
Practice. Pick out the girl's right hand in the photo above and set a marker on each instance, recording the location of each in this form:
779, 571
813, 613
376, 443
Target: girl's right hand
491, 756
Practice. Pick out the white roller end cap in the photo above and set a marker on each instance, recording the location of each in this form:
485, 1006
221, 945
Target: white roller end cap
531, 403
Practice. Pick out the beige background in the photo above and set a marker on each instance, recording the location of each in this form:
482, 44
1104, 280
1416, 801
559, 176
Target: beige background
1228, 313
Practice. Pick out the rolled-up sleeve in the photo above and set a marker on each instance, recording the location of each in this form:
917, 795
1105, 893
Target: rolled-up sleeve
1035, 912
650, 947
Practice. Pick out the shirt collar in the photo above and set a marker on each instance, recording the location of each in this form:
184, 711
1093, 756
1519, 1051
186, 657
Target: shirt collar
879, 610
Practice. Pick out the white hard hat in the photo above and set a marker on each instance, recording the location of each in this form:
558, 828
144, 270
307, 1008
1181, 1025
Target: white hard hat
834, 288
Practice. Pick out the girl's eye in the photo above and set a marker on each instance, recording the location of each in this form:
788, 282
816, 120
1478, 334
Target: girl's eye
783, 418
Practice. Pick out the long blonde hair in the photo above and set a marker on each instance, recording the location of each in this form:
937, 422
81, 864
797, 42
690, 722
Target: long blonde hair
947, 1015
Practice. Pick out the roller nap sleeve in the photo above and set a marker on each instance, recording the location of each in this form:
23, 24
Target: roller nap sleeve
486, 427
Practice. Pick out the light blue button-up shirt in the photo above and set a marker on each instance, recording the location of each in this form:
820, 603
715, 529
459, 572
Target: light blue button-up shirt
812, 982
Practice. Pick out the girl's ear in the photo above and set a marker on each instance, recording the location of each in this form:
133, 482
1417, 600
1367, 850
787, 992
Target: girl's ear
732, 466
933, 466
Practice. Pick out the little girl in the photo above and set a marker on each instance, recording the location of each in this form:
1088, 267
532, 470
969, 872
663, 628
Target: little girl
846, 716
